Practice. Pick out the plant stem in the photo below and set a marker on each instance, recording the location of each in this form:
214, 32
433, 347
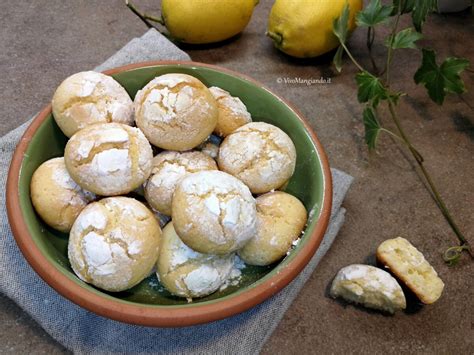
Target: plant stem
144, 16
390, 50
370, 42
394, 135
356, 63
429, 180
403, 138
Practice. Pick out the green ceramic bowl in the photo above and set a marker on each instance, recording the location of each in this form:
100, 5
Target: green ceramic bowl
148, 303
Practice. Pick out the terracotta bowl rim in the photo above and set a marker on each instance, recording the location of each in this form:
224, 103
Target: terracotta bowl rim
151, 315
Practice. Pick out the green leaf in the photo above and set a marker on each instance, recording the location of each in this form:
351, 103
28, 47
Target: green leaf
370, 88
402, 6
404, 39
440, 80
420, 11
373, 14
340, 25
451, 69
338, 59
372, 127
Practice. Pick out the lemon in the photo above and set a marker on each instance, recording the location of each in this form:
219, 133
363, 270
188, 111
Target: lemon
206, 21
303, 28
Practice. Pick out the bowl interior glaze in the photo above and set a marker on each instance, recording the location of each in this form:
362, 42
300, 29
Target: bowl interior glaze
307, 183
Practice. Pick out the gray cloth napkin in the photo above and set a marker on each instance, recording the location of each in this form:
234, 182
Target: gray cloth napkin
86, 333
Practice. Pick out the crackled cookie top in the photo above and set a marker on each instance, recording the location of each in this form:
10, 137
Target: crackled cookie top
232, 112
187, 273
259, 154
213, 212
175, 112
56, 197
109, 159
89, 97
168, 169
369, 286
114, 243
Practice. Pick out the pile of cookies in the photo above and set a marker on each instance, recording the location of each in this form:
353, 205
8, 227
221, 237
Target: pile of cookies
211, 184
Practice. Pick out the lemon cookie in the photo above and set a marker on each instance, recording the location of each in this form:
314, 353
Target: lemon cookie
410, 266
213, 212
281, 218
56, 197
259, 154
232, 112
88, 97
109, 159
168, 169
369, 286
176, 112
187, 273
114, 243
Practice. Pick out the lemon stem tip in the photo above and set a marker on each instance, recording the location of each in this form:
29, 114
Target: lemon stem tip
276, 37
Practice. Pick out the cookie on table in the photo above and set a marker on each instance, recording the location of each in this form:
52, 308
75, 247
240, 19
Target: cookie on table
168, 168
89, 97
56, 197
281, 218
175, 112
368, 286
114, 243
109, 159
232, 112
410, 266
187, 273
213, 212
259, 154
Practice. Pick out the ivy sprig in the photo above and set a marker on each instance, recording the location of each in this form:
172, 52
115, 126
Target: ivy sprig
404, 39
443, 79
374, 13
419, 9
374, 87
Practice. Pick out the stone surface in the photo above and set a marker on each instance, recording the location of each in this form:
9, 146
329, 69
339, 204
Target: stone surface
42, 42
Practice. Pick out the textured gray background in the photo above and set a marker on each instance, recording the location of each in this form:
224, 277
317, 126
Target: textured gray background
41, 42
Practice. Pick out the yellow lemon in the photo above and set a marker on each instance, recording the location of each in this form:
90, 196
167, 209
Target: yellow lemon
303, 28
206, 21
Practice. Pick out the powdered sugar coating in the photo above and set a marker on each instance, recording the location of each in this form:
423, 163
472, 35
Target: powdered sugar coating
114, 243
213, 212
235, 275
168, 169
89, 97
370, 286
175, 111
56, 197
109, 159
259, 154
232, 112
203, 280
171, 103
187, 273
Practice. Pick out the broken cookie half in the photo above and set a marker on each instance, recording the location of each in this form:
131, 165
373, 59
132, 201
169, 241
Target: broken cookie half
410, 266
368, 286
